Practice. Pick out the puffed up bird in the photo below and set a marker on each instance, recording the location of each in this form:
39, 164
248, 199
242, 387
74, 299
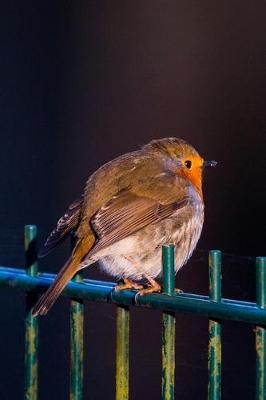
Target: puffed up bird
131, 207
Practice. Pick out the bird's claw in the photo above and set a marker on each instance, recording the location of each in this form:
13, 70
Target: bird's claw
136, 297
155, 288
128, 284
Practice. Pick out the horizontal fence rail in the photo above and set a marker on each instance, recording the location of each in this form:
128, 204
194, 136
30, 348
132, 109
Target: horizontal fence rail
169, 301
102, 291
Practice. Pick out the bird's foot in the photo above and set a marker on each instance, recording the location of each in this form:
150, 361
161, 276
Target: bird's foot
128, 284
154, 287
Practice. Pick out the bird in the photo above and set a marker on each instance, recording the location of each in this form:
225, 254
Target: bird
131, 207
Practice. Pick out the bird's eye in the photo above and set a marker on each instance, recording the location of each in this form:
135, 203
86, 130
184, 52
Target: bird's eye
188, 164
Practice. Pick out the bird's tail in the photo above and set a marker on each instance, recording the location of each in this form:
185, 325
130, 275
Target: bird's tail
46, 301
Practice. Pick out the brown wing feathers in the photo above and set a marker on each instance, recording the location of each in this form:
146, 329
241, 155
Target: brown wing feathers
126, 214
65, 225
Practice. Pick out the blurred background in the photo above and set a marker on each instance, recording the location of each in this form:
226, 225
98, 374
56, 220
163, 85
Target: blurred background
83, 82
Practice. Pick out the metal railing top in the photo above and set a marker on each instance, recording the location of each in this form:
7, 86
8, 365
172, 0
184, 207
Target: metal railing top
213, 306
102, 291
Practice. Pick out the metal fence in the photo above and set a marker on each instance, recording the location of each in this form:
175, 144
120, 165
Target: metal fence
213, 306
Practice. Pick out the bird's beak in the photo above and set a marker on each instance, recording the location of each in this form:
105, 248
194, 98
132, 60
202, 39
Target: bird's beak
210, 163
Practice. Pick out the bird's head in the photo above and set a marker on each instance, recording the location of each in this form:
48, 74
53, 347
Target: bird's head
182, 159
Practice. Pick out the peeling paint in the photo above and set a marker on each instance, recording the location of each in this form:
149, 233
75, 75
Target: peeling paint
168, 357
260, 332
76, 346
215, 347
31, 323
122, 353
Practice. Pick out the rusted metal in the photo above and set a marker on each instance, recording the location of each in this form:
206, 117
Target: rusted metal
168, 333
76, 345
31, 323
215, 347
122, 353
261, 330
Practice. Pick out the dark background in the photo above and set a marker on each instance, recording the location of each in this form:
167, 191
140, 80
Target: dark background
82, 82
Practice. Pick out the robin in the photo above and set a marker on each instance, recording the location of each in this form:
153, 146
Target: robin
131, 206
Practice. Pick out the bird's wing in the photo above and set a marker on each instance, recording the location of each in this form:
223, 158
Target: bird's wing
65, 225
128, 212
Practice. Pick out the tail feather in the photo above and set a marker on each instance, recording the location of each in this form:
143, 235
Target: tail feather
47, 300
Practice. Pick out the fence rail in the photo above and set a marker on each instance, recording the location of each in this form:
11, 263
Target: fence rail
213, 306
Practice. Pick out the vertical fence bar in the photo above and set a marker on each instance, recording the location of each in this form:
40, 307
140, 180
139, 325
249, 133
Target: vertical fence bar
215, 349
31, 323
168, 334
122, 353
261, 331
76, 345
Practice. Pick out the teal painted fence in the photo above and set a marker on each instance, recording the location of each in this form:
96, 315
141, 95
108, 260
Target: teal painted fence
169, 301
